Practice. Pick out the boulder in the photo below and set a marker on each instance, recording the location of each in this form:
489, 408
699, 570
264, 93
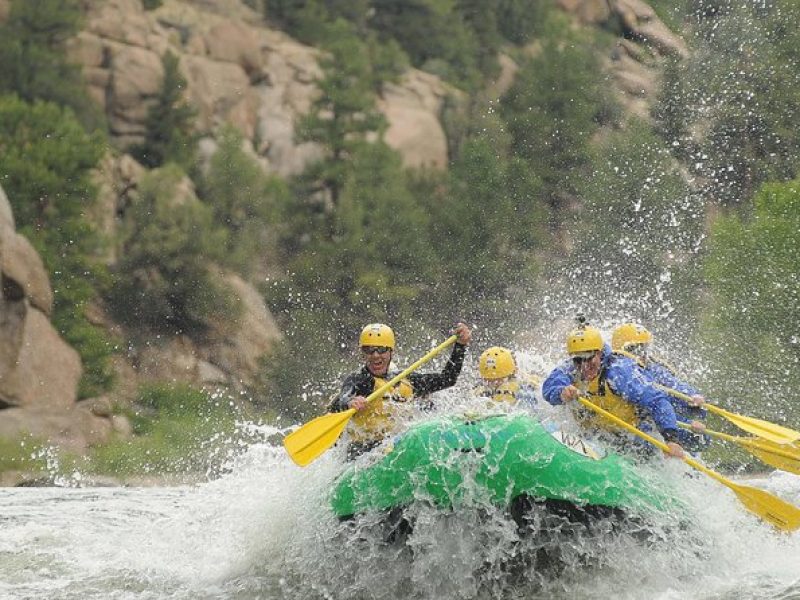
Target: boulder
412, 109
46, 371
22, 267
73, 429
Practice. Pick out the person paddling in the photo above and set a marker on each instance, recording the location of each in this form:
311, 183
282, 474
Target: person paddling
614, 383
634, 340
376, 419
501, 381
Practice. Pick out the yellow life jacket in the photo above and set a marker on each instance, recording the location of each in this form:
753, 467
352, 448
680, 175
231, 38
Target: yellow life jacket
509, 390
601, 394
380, 417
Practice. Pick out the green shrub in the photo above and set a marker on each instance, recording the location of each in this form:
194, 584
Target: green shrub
163, 280
178, 429
21, 455
169, 135
45, 162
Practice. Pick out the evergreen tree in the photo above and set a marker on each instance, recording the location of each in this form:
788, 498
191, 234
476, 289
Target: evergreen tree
640, 232
369, 263
344, 114
731, 107
245, 201
487, 220
435, 35
33, 57
519, 20
169, 135
555, 105
45, 161
164, 280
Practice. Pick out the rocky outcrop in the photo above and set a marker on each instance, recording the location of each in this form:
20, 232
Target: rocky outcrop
412, 108
238, 71
229, 354
39, 372
37, 368
633, 63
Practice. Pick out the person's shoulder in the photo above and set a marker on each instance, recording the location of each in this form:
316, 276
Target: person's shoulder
623, 367
361, 375
530, 379
620, 360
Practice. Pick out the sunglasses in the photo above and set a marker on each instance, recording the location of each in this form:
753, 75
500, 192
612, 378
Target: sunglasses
638, 349
372, 349
579, 360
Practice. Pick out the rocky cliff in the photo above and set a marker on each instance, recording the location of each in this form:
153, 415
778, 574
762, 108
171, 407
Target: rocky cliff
238, 71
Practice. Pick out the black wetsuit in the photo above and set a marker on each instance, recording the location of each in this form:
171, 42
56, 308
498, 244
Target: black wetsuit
362, 383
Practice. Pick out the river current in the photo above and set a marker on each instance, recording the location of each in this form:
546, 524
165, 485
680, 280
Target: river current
263, 530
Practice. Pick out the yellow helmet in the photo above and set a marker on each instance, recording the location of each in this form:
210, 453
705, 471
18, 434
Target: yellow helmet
628, 334
496, 363
377, 334
584, 339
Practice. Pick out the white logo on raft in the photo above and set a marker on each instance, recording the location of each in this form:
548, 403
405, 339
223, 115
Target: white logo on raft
577, 444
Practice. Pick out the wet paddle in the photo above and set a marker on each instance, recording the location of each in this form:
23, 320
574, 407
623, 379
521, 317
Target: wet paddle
773, 510
785, 457
763, 429
309, 441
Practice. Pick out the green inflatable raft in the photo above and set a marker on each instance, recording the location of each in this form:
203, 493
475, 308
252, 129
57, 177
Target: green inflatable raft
506, 460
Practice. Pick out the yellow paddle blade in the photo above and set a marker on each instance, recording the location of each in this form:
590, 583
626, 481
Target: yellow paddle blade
779, 513
312, 439
763, 429
784, 457
775, 511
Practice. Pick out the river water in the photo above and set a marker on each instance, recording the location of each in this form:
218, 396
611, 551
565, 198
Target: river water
263, 530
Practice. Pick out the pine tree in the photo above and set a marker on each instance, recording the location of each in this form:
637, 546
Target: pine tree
33, 57
169, 135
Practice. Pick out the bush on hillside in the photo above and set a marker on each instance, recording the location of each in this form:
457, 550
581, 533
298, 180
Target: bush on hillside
164, 279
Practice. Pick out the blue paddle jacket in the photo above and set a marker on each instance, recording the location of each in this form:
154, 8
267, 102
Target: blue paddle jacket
663, 375
626, 379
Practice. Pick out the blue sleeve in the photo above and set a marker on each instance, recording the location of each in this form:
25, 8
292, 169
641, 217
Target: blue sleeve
628, 381
559, 378
693, 442
686, 413
663, 376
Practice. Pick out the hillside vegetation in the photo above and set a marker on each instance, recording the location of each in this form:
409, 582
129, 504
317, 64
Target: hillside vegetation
686, 219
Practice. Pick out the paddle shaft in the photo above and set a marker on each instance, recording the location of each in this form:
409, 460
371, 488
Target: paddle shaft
408, 370
775, 511
769, 431
777, 451
657, 443
308, 442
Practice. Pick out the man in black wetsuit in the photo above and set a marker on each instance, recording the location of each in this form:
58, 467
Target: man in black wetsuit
376, 419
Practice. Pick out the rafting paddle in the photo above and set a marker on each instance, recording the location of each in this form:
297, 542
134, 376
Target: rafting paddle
777, 512
763, 429
785, 457
309, 441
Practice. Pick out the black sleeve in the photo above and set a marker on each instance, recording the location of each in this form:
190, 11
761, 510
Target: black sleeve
427, 383
355, 384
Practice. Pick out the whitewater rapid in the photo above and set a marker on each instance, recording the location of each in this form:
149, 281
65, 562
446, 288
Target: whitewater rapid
264, 530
